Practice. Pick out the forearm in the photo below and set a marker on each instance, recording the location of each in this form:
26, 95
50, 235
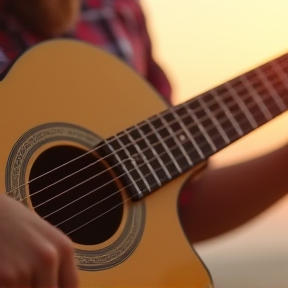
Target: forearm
225, 198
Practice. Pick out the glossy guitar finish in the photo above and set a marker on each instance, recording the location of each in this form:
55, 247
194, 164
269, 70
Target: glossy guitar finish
73, 95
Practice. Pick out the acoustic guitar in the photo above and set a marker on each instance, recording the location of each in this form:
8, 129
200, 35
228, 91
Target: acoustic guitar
88, 145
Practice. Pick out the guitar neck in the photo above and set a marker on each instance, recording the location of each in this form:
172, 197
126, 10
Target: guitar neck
164, 146
239, 106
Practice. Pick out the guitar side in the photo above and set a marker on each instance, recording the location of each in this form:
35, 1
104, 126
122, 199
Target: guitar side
72, 82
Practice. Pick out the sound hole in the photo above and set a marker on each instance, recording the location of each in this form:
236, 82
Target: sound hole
72, 205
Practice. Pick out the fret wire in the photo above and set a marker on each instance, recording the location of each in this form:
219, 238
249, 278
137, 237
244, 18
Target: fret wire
241, 104
214, 120
179, 155
201, 127
187, 132
251, 105
120, 159
227, 111
144, 157
181, 132
175, 146
205, 142
273, 103
133, 162
276, 82
206, 112
164, 145
135, 185
281, 64
269, 73
231, 114
255, 96
282, 75
245, 96
271, 89
180, 146
260, 89
154, 152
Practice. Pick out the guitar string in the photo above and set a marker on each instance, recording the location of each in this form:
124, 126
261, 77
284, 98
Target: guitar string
114, 193
213, 101
147, 148
150, 173
118, 150
118, 177
128, 159
272, 67
86, 181
133, 128
94, 190
113, 207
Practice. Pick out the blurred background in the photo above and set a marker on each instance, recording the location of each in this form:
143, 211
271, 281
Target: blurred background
200, 44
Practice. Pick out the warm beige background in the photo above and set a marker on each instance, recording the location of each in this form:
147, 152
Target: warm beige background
202, 43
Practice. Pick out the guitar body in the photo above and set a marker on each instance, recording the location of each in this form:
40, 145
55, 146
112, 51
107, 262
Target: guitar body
69, 94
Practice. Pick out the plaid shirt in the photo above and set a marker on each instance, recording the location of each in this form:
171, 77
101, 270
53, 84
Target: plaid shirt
117, 26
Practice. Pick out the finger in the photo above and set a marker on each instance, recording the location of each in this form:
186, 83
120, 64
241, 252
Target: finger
24, 276
68, 274
66, 265
46, 272
8, 278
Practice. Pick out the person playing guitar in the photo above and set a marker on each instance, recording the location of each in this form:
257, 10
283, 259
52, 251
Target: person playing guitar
35, 254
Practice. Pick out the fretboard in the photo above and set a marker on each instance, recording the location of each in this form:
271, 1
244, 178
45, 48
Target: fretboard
166, 145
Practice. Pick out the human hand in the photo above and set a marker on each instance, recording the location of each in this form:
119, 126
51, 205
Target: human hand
33, 253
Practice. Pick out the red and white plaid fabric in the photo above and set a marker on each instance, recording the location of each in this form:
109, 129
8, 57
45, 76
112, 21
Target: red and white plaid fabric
117, 26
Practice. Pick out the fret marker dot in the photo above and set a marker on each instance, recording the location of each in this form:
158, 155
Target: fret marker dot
182, 138
136, 158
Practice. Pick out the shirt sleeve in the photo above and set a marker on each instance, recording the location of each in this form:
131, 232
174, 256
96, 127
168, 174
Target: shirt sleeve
154, 73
